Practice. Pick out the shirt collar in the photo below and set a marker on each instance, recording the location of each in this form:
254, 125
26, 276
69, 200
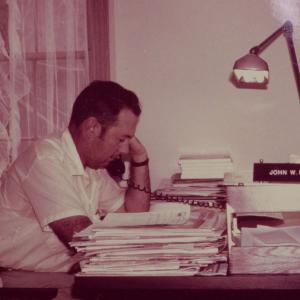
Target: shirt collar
71, 151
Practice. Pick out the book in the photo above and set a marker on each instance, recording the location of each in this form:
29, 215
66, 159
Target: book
204, 166
177, 181
204, 157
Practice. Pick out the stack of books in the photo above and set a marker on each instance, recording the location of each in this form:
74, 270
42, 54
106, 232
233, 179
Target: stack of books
204, 166
196, 246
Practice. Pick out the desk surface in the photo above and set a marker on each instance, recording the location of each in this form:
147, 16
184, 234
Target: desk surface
242, 287
233, 282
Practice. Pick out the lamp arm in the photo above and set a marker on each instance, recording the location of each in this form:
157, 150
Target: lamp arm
290, 43
264, 44
287, 30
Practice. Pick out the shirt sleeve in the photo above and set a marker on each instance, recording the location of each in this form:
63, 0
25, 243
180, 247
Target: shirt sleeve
51, 192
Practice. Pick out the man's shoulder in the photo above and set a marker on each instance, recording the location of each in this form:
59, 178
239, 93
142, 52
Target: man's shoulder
46, 148
49, 147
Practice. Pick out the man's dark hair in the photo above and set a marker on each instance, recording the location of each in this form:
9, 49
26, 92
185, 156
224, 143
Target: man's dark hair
103, 100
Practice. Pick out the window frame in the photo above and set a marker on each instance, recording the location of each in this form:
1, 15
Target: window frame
98, 39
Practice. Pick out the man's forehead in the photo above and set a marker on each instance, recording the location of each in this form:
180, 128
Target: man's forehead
126, 118
126, 123
126, 114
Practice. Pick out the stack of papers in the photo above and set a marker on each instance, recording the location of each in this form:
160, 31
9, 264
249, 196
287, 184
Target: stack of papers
204, 166
203, 193
190, 246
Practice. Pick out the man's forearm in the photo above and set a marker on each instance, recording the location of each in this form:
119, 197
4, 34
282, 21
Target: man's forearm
65, 228
137, 196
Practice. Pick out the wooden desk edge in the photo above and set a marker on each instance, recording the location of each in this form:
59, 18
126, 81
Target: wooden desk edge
231, 282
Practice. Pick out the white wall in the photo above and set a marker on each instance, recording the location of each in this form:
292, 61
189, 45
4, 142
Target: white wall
177, 55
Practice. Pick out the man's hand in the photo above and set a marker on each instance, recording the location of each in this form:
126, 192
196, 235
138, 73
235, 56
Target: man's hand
136, 199
137, 150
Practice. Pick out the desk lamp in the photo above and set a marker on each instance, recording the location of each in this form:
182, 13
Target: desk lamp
253, 72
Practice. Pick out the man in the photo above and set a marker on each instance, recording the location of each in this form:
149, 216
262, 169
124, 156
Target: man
59, 185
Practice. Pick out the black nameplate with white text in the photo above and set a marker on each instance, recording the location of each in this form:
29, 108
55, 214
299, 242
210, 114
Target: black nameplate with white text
276, 172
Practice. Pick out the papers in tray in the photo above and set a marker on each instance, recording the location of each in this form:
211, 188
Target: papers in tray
269, 236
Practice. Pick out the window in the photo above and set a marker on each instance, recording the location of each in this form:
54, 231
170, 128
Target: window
49, 51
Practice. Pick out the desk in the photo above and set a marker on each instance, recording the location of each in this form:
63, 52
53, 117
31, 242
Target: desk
241, 287
35, 285
254, 287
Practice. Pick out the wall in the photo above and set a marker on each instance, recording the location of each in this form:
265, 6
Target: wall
178, 56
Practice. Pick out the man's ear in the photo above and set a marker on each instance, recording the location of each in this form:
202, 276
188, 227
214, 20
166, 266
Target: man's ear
91, 127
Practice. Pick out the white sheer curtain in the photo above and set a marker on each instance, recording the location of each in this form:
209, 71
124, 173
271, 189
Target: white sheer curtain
43, 66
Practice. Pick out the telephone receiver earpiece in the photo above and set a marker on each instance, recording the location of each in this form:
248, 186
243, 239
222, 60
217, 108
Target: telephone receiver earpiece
116, 168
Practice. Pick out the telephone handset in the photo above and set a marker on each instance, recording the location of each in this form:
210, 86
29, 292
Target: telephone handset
116, 170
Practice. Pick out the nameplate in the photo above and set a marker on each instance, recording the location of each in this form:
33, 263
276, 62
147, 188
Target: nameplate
276, 172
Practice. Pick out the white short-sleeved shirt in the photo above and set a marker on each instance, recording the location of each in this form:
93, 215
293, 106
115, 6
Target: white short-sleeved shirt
47, 183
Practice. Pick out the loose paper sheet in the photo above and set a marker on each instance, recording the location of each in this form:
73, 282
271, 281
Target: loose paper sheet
160, 213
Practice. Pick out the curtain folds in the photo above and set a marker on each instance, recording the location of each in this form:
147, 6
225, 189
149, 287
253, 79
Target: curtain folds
43, 65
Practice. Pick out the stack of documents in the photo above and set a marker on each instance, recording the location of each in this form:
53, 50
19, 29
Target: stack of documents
205, 166
192, 243
210, 193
